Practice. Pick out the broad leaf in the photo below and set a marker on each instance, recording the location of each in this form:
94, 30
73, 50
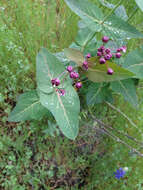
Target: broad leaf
27, 108
97, 93
140, 4
106, 4
89, 12
65, 108
98, 72
93, 18
121, 12
84, 36
134, 62
62, 58
127, 89
74, 55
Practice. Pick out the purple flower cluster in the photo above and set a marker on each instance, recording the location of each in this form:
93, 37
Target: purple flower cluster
85, 63
74, 75
105, 54
55, 82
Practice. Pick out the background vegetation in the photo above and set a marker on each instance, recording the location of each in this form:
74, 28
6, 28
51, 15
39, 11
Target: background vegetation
31, 155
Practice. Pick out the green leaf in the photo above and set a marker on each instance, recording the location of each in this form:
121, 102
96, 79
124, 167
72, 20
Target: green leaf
134, 62
27, 108
65, 108
97, 93
121, 12
140, 4
106, 4
127, 89
94, 19
83, 37
98, 72
74, 55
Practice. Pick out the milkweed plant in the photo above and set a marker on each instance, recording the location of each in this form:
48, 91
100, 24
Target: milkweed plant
98, 57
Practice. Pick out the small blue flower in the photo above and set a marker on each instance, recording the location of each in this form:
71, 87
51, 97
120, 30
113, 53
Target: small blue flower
119, 173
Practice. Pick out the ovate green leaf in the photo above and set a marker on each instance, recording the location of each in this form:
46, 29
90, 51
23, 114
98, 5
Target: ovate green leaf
97, 93
94, 19
65, 108
127, 89
121, 12
74, 55
83, 36
27, 108
98, 72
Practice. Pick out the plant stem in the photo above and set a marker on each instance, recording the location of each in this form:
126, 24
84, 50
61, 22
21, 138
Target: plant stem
117, 139
120, 132
124, 115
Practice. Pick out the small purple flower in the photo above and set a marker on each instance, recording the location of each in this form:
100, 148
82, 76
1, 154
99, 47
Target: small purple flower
85, 65
110, 71
74, 75
119, 173
101, 49
69, 68
88, 55
107, 56
105, 39
78, 85
119, 49
107, 50
118, 55
55, 82
99, 53
102, 60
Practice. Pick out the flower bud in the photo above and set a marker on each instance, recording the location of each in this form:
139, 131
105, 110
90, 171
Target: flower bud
69, 68
118, 55
88, 55
102, 60
110, 71
105, 39
78, 85
57, 82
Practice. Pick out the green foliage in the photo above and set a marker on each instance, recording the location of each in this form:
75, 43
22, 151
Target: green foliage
98, 72
127, 89
134, 62
98, 93
84, 36
30, 157
74, 55
94, 19
140, 4
27, 108
64, 108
